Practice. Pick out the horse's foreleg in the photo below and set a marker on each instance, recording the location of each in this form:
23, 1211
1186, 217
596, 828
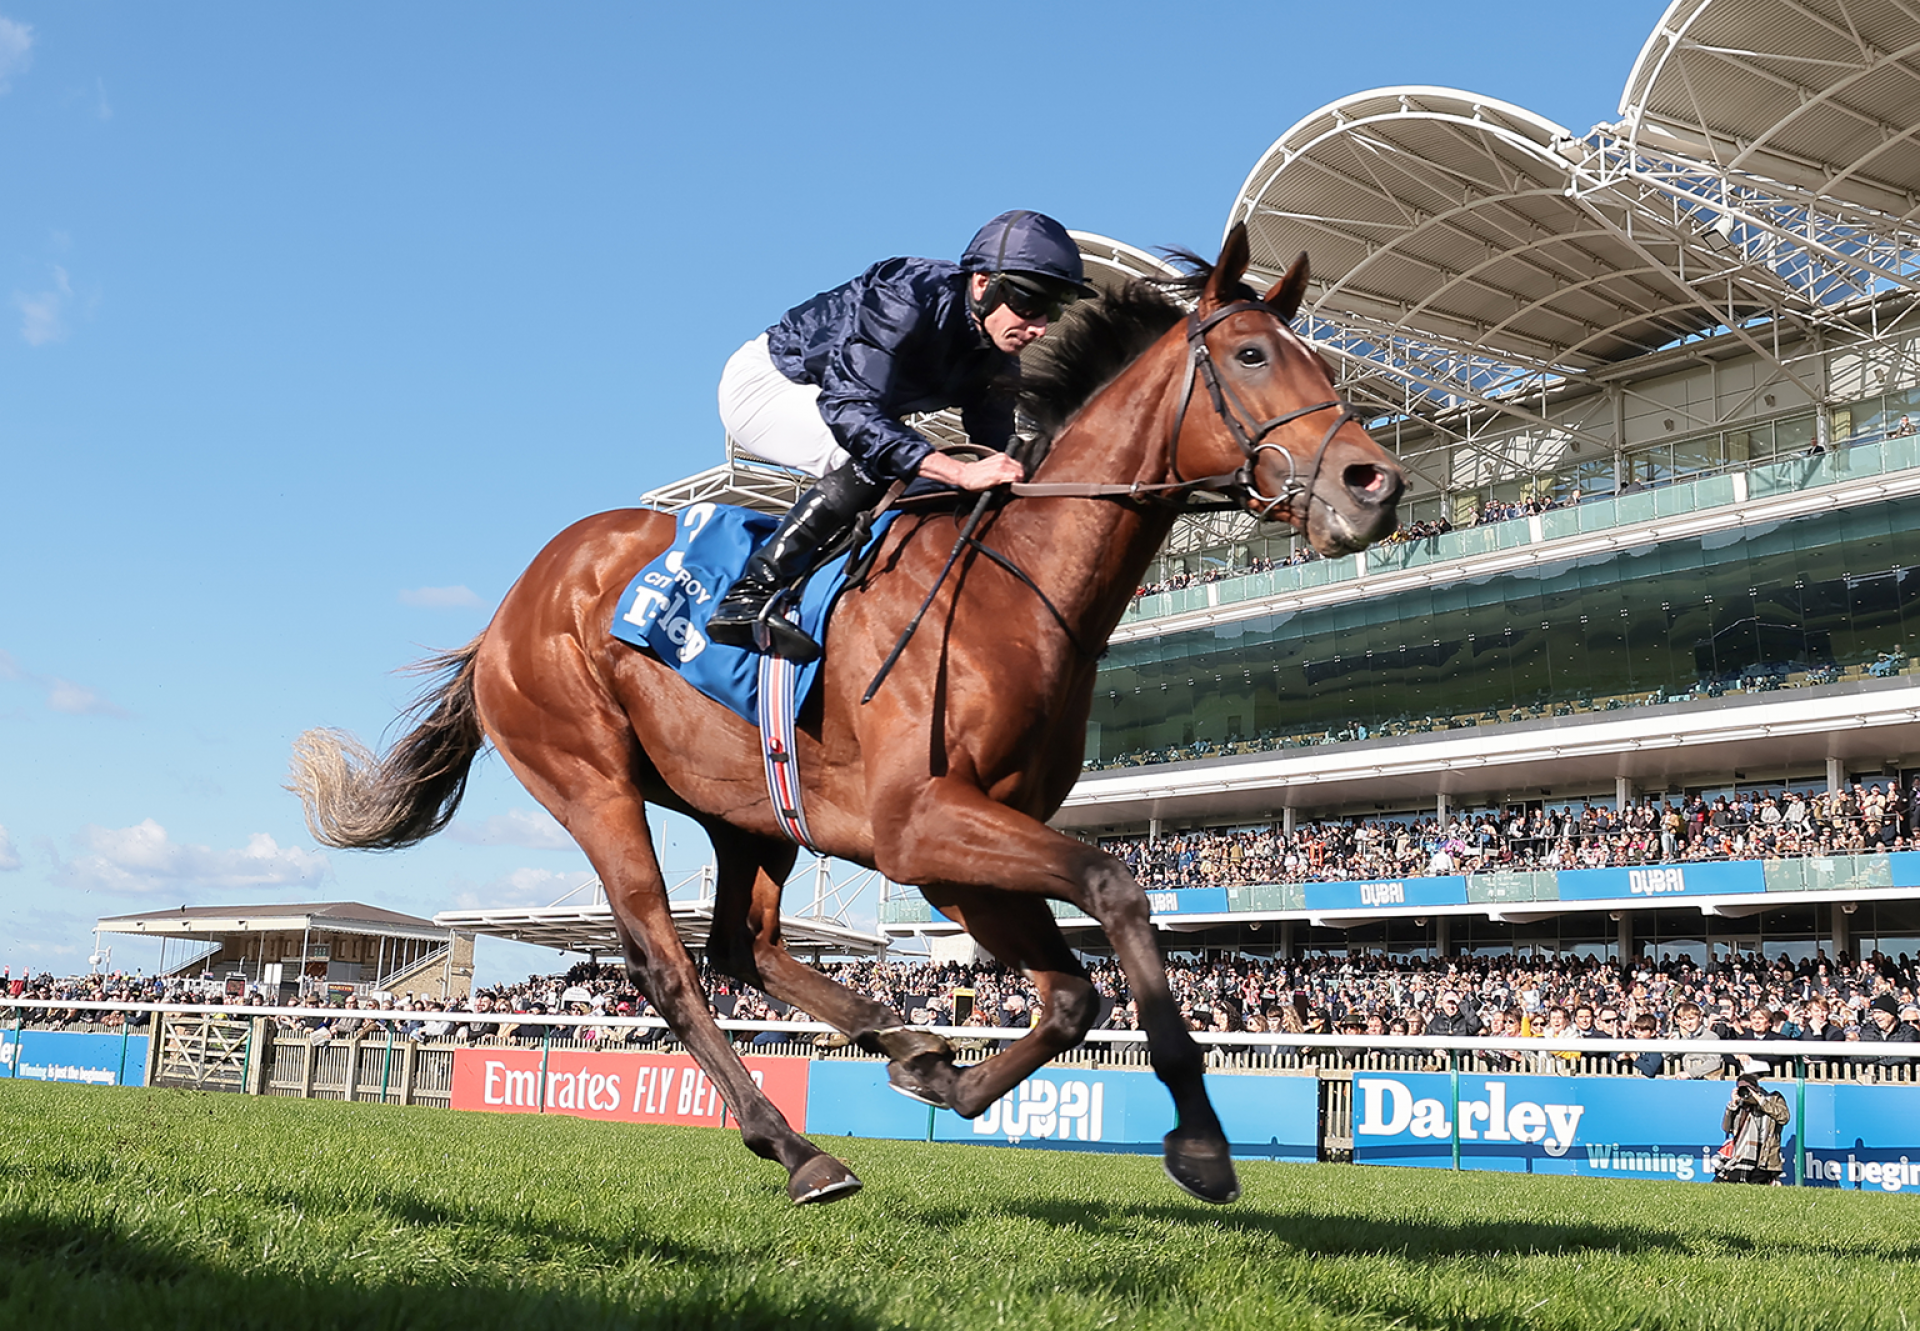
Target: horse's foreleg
745, 943
953, 834
1196, 1151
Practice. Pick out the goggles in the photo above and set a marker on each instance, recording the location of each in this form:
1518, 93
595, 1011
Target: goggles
1031, 301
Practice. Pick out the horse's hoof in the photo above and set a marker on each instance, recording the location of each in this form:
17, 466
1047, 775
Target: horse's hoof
821, 1179
1206, 1171
903, 1044
916, 1086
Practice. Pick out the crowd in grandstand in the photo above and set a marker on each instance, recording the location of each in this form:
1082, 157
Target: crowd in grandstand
1556, 999
1748, 826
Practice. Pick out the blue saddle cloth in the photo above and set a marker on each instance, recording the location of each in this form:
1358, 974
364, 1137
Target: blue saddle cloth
665, 609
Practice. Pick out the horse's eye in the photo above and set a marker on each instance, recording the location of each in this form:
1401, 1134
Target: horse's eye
1250, 356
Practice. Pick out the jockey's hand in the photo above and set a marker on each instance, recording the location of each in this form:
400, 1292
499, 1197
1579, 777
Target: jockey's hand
994, 469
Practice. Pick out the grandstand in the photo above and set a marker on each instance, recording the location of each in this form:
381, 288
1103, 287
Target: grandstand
1655, 387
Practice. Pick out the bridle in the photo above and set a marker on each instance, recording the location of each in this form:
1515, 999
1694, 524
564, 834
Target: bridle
1251, 434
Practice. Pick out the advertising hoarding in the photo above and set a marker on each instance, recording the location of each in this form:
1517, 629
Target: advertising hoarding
618, 1087
96, 1058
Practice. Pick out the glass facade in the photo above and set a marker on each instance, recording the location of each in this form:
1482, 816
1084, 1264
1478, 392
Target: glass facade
1796, 602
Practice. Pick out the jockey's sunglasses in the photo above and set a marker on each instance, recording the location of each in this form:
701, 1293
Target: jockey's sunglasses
1031, 301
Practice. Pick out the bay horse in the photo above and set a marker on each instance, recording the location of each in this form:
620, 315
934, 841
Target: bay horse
945, 780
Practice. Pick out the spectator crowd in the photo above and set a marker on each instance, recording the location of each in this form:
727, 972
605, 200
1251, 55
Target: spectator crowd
1556, 1000
1864, 818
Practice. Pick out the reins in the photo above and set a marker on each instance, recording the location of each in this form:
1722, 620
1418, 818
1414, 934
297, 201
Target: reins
1250, 434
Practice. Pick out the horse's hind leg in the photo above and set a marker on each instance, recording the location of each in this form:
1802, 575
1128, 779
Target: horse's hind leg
746, 944
1021, 932
607, 817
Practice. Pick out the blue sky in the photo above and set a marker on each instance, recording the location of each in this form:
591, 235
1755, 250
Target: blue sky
317, 321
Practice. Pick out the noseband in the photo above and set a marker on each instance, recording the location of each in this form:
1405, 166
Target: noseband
1250, 434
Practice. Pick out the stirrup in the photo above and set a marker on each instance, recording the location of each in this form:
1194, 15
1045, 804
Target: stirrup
776, 635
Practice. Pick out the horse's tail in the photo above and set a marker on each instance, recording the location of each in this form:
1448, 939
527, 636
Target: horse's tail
355, 800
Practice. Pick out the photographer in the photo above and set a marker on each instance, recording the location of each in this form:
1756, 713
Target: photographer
1752, 1122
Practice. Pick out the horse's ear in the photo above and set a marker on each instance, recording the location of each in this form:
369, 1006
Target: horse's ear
1290, 290
1232, 266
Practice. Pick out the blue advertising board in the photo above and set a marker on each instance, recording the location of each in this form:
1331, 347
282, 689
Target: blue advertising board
1438, 890
1863, 1137
846, 1098
96, 1058
1272, 1118
1627, 1127
1613, 1127
1265, 1117
1187, 900
1905, 865
1707, 878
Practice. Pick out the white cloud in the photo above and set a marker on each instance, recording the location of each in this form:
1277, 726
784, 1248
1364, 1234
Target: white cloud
9, 857
522, 887
63, 695
16, 50
441, 598
43, 314
530, 829
142, 858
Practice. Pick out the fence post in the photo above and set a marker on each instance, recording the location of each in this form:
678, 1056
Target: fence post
13, 1064
156, 1046
308, 1067
1453, 1075
1799, 1122
255, 1081
546, 1043
246, 1057
409, 1060
386, 1068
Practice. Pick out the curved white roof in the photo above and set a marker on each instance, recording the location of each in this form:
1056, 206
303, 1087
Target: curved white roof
1459, 216
1823, 95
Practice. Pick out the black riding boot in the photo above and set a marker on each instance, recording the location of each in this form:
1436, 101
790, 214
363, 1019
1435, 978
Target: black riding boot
745, 616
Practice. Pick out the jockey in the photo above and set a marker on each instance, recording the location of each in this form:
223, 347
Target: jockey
824, 391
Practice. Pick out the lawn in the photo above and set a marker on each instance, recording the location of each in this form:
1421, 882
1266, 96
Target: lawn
128, 1208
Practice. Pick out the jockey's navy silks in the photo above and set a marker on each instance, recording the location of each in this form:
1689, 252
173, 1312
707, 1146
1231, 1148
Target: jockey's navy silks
896, 340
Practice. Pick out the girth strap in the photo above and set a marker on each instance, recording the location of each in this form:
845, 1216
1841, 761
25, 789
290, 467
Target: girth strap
777, 708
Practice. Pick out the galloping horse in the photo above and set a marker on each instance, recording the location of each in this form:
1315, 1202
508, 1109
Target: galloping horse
946, 778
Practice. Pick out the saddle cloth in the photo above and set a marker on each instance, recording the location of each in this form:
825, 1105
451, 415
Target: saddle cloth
666, 607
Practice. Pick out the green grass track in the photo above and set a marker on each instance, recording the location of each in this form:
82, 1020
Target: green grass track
134, 1208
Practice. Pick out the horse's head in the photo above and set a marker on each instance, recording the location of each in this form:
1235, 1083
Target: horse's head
1275, 416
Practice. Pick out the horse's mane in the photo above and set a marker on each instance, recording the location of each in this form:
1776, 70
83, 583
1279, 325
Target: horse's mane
1098, 338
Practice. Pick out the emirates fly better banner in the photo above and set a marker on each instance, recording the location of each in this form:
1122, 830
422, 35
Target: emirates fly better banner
619, 1087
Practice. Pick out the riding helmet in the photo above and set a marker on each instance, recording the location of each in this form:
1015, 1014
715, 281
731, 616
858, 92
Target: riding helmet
1031, 244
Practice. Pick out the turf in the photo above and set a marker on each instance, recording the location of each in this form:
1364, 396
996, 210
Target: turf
134, 1208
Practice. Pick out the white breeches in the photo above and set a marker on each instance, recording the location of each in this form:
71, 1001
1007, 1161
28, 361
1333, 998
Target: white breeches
772, 417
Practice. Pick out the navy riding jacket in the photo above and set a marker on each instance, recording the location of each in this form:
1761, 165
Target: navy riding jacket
895, 340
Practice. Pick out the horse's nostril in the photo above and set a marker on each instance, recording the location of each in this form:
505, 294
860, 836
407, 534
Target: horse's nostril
1372, 484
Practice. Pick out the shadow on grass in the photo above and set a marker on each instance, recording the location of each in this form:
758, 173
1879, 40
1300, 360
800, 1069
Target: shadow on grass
67, 1271
1323, 1233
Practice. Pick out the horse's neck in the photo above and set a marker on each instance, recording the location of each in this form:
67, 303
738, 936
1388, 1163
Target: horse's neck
1097, 550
